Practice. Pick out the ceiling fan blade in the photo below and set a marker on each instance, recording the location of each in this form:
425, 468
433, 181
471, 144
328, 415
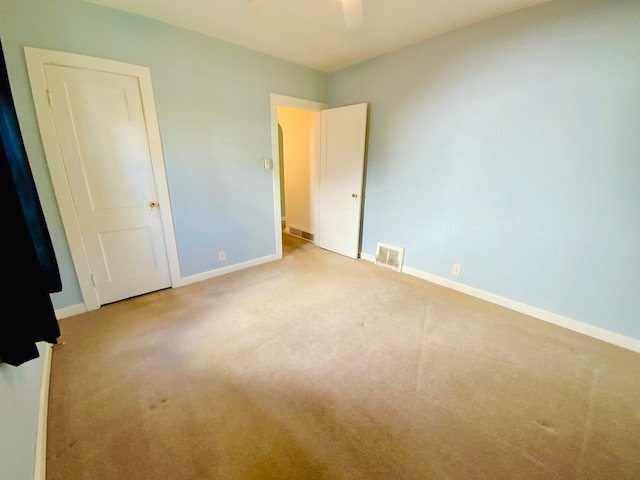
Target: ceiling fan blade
352, 10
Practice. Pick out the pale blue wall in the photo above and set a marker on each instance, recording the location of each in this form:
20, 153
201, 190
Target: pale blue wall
19, 396
512, 147
214, 112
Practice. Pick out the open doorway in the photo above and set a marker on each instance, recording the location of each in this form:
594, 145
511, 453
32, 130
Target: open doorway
278, 135
298, 151
336, 148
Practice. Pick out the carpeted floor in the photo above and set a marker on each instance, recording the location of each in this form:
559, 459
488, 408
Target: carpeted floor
292, 244
321, 367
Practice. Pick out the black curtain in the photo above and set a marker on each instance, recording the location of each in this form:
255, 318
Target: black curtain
29, 268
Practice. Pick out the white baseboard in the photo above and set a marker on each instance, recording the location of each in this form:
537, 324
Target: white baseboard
223, 271
81, 308
40, 464
565, 322
70, 311
368, 257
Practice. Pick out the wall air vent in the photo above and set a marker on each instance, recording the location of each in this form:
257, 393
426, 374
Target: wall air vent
296, 232
389, 256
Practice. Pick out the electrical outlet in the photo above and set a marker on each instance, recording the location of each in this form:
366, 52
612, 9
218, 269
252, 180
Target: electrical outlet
222, 256
457, 269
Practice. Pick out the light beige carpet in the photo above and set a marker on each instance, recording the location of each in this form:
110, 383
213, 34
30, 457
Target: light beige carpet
292, 244
321, 367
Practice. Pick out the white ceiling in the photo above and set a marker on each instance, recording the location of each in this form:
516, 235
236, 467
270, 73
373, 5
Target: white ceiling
312, 32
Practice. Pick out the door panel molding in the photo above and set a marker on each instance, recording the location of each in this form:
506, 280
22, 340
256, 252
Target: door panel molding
36, 60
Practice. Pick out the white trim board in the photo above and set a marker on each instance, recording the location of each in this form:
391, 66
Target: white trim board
70, 311
79, 308
36, 59
535, 312
40, 464
199, 277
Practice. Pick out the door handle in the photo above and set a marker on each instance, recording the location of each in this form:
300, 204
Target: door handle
354, 195
153, 204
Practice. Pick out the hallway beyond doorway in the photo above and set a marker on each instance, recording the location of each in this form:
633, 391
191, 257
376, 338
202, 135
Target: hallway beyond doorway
292, 244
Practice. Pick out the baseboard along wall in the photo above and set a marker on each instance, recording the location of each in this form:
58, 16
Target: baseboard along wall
554, 318
81, 308
224, 270
70, 311
559, 320
40, 463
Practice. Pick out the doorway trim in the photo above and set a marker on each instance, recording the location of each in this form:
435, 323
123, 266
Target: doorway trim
278, 100
36, 59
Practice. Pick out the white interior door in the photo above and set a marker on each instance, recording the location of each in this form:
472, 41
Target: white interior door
342, 138
100, 127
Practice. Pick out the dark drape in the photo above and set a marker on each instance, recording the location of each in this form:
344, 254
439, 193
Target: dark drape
27, 261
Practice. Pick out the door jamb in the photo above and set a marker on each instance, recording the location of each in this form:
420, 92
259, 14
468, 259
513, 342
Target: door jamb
278, 100
36, 59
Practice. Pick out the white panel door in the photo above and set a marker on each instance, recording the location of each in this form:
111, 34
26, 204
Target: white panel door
342, 136
100, 125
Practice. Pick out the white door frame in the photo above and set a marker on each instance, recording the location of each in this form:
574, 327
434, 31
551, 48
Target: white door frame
278, 100
36, 60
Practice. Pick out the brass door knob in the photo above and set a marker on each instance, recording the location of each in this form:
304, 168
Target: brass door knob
354, 195
153, 204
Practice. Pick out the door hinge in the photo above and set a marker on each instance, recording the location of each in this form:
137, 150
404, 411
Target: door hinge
49, 99
93, 280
